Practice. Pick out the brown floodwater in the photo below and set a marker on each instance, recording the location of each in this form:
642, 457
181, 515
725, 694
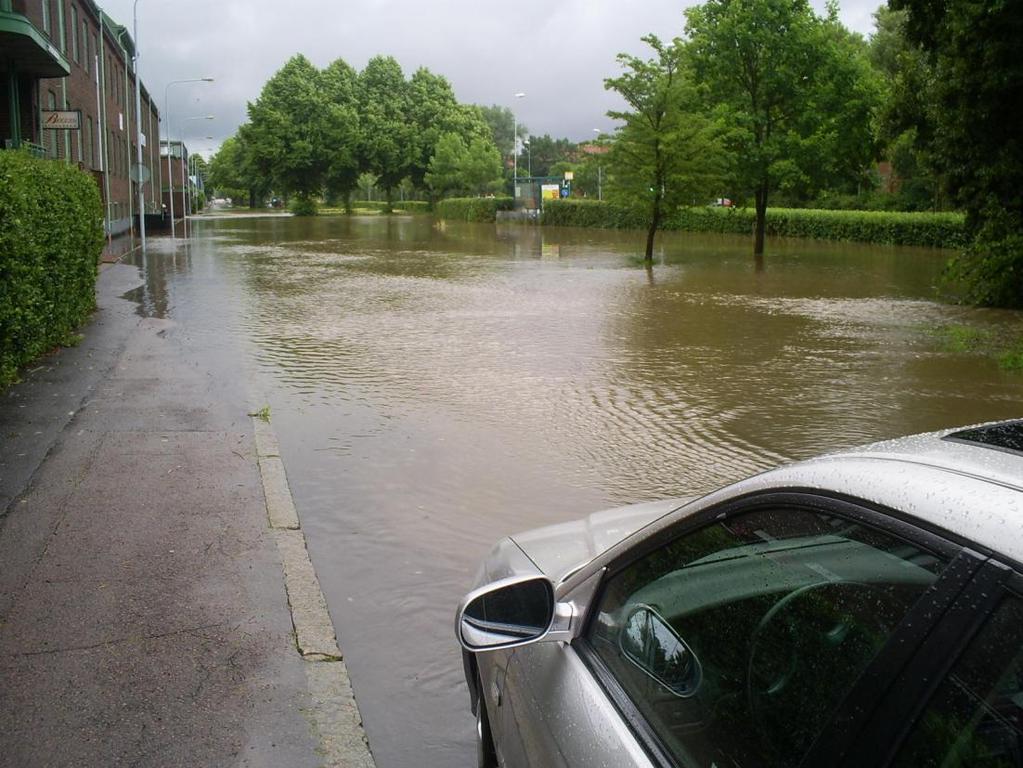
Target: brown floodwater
436, 387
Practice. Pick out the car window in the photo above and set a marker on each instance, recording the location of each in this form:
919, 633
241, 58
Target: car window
737, 641
975, 718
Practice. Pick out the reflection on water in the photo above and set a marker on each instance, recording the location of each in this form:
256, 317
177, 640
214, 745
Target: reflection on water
438, 386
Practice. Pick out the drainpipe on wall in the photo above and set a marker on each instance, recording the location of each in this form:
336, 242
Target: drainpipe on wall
63, 81
127, 150
101, 97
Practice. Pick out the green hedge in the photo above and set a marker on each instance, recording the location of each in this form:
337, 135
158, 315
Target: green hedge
406, 206
483, 209
938, 230
51, 238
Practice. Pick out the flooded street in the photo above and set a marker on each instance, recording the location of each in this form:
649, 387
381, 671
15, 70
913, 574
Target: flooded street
436, 387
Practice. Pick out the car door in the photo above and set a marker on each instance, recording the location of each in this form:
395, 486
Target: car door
960, 703
734, 638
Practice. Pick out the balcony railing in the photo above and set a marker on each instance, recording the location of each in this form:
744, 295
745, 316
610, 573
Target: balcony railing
35, 150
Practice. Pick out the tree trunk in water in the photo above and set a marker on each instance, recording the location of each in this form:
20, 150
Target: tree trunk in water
348, 202
655, 222
761, 223
390, 200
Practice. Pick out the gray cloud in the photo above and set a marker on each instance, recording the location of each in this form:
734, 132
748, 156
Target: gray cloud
558, 53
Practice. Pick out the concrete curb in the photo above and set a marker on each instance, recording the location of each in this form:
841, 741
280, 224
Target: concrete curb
333, 713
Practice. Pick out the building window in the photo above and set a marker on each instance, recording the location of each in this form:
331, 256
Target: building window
46, 16
74, 33
63, 27
87, 143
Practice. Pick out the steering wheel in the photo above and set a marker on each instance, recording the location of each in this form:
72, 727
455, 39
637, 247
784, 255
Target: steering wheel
805, 652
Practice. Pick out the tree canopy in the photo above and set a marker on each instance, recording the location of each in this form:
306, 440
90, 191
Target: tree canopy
314, 132
664, 153
794, 92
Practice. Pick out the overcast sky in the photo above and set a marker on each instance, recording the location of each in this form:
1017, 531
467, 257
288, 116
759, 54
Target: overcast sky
557, 52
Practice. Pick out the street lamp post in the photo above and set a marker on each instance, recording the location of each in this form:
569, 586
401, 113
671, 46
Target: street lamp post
186, 181
138, 123
166, 120
515, 152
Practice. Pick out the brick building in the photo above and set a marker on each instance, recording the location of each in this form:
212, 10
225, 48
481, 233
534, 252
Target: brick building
68, 55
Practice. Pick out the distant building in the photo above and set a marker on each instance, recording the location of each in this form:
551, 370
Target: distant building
68, 56
175, 175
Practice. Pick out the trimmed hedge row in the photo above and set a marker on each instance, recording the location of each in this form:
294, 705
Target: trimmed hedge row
936, 230
481, 209
51, 238
408, 206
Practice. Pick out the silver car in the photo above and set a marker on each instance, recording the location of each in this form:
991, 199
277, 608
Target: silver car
859, 609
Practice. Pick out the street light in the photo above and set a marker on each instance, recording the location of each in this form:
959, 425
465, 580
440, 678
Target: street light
186, 207
515, 151
138, 122
166, 119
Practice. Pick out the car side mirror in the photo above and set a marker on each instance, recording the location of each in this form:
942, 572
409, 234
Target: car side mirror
650, 642
506, 614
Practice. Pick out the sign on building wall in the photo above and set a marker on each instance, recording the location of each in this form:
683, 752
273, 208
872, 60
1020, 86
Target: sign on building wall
62, 120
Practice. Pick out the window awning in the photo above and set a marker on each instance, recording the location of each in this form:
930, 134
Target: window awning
26, 50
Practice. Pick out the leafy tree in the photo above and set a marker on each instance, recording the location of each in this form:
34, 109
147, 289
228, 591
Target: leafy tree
473, 167
233, 174
287, 132
445, 171
777, 74
389, 145
434, 111
664, 149
342, 133
971, 130
904, 123
367, 183
545, 152
502, 122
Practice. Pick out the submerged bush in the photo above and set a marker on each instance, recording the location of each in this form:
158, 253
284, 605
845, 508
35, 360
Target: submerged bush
303, 206
480, 209
51, 238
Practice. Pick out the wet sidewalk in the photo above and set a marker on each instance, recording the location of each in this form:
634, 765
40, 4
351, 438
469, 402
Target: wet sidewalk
144, 618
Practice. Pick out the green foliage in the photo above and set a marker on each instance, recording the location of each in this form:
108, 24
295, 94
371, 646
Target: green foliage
263, 414
288, 129
543, 152
935, 230
233, 173
302, 205
456, 165
990, 271
389, 145
342, 132
967, 117
402, 206
1005, 349
51, 237
479, 209
793, 91
665, 150
501, 121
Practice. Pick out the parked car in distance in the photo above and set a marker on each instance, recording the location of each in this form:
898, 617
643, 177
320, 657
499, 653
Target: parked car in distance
863, 608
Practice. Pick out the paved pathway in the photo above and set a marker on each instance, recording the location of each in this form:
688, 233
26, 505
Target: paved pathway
144, 616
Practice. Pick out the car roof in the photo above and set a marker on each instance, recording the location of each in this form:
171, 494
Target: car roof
968, 490
986, 451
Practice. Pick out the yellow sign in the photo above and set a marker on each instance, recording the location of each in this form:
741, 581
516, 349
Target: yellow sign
550, 191
569, 175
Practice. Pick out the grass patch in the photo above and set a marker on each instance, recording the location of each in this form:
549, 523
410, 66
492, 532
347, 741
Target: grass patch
1007, 351
263, 414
